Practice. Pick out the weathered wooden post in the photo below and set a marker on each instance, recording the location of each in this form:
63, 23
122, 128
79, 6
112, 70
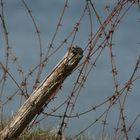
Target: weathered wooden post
42, 94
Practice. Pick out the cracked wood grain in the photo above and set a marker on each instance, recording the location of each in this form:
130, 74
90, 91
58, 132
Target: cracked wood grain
42, 94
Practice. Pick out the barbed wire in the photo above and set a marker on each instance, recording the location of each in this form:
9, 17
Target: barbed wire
100, 38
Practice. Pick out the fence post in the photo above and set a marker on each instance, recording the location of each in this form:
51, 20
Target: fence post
42, 94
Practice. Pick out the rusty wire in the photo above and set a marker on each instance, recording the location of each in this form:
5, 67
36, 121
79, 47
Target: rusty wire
98, 40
